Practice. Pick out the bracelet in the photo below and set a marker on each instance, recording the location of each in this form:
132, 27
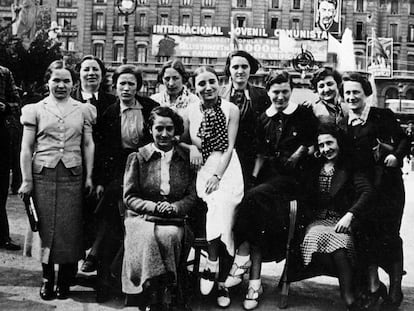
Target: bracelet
217, 176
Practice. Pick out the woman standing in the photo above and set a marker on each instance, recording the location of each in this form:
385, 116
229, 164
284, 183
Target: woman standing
252, 102
124, 131
91, 89
159, 191
338, 196
57, 146
213, 128
175, 94
380, 146
285, 134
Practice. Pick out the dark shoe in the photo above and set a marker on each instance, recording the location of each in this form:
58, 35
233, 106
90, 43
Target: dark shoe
103, 294
46, 291
89, 265
9, 245
373, 298
393, 303
62, 292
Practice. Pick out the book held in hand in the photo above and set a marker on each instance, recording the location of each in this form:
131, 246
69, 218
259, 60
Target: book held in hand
31, 214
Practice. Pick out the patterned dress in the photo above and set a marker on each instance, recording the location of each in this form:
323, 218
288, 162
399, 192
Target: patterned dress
320, 236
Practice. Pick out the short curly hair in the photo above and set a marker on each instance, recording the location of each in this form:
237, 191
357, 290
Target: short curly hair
178, 66
278, 76
324, 72
134, 70
253, 62
356, 77
167, 112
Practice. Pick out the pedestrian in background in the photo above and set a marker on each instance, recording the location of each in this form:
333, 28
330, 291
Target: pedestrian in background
9, 97
57, 146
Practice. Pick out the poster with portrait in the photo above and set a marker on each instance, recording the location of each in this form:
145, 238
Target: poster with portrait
379, 56
328, 16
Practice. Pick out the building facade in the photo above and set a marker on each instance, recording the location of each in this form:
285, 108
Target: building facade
97, 27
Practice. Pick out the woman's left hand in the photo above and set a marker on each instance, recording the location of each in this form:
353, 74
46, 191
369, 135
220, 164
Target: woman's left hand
88, 186
391, 161
212, 184
344, 224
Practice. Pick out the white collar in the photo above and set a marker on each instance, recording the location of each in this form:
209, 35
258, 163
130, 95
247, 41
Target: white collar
87, 95
291, 108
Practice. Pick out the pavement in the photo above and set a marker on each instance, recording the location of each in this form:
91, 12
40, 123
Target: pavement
20, 277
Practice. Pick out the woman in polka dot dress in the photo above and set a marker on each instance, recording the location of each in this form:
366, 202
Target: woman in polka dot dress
213, 128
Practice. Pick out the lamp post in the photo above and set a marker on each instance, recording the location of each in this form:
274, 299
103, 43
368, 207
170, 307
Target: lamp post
400, 92
126, 8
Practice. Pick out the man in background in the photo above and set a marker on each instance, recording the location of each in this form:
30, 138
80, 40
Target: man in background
326, 13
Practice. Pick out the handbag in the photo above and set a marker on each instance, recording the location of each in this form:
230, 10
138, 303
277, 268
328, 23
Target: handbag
166, 221
31, 213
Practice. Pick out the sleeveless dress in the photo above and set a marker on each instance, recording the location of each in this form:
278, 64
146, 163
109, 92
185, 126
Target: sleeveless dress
221, 204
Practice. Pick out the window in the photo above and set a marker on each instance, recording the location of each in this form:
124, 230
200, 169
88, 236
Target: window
296, 23
391, 93
99, 21
185, 20
186, 2
273, 22
163, 59
120, 20
142, 21
164, 19
274, 4
207, 61
411, 7
141, 53
360, 5
410, 61
359, 30
395, 62
164, 2
394, 7
359, 61
208, 20
98, 50
186, 60
6, 2
67, 3
296, 4
241, 21
68, 43
100, 1
142, 2
241, 3
67, 22
410, 33
208, 3
118, 53
394, 32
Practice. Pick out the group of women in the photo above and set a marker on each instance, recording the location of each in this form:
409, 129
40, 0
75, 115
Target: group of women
243, 150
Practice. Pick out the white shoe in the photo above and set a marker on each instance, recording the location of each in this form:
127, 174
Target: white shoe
223, 297
252, 298
207, 281
236, 273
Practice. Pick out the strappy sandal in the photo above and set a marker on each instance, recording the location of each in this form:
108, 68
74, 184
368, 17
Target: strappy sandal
207, 281
252, 298
236, 273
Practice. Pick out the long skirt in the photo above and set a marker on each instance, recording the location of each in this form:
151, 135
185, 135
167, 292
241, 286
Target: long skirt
221, 204
58, 200
320, 237
152, 253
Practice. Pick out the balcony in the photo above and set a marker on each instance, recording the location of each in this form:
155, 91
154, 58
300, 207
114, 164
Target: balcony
142, 29
97, 29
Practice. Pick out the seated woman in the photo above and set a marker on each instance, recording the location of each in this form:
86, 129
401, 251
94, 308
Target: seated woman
285, 134
339, 196
159, 191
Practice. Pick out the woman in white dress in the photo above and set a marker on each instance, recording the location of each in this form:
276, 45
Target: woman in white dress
213, 128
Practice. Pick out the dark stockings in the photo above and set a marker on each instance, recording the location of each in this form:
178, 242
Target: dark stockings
345, 273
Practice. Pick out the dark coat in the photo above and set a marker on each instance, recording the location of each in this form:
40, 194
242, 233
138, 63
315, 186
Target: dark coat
245, 144
112, 156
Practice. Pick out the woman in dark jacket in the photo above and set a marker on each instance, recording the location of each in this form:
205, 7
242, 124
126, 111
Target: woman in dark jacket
251, 100
124, 131
159, 191
380, 146
338, 196
91, 89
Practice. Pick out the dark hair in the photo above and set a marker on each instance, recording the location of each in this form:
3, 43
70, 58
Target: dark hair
278, 76
177, 65
356, 77
134, 70
324, 72
202, 69
167, 112
253, 62
91, 57
335, 131
55, 65
334, 2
